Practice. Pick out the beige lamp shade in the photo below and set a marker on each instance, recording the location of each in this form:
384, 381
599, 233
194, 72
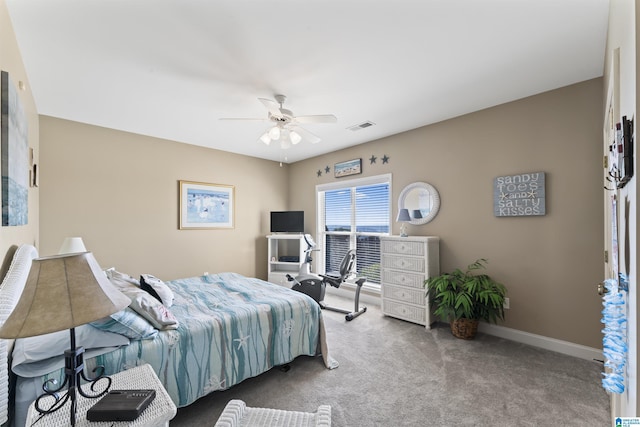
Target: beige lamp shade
72, 245
63, 292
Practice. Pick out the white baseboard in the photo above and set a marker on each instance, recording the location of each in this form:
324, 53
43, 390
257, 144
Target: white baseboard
372, 296
564, 347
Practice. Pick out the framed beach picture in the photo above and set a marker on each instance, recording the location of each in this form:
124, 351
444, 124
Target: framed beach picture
206, 206
350, 167
14, 165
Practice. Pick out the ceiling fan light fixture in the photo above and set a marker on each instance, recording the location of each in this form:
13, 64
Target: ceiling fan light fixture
265, 138
284, 126
295, 137
285, 138
274, 133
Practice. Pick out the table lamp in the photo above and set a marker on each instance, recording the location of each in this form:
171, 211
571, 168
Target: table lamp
72, 245
62, 292
403, 218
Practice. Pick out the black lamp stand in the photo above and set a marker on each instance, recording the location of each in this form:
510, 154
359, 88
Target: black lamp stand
74, 371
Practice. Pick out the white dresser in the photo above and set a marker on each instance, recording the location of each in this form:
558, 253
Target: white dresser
406, 263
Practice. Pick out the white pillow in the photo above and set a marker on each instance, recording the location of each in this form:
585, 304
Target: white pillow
120, 279
157, 288
153, 310
27, 351
143, 303
128, 323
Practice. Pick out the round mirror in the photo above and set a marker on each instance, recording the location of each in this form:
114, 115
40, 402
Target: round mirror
421, 200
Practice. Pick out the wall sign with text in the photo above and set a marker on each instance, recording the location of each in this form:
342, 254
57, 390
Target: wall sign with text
519, 195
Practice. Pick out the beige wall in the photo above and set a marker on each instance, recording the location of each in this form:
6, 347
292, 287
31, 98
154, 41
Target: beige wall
550, 264
11, 61
119, 191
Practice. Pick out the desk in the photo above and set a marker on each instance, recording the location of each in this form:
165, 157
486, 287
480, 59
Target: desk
158, 413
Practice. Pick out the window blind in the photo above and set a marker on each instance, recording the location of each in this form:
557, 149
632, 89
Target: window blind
354, 216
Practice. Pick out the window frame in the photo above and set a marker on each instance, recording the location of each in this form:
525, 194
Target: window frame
320, 219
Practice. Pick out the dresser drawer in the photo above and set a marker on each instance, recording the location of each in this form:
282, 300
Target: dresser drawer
405, 263
394, 277
403, 247
413, 296
405, 311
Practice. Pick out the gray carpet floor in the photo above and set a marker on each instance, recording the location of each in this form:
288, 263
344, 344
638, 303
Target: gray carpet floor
395, 373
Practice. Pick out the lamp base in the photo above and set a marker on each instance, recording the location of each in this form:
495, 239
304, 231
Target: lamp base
74, 373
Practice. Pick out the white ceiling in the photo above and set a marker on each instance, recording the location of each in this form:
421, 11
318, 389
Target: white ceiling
172, 68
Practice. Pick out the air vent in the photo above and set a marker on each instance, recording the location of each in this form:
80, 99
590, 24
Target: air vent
362, 125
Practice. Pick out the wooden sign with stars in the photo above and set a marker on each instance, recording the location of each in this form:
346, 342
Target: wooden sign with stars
519, 195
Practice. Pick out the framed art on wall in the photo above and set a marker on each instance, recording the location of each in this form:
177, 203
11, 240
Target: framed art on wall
519, 195
15, 155
350, 167
206, 206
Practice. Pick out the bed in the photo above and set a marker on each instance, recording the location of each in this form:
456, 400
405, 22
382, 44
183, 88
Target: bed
226, 328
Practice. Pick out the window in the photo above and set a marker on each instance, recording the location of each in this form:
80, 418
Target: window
353, 215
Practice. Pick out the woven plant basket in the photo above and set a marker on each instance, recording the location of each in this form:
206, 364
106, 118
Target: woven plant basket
464, 328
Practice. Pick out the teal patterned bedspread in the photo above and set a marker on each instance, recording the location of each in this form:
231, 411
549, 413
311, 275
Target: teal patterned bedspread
231, 328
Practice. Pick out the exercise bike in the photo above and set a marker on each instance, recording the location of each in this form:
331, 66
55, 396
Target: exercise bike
315, 285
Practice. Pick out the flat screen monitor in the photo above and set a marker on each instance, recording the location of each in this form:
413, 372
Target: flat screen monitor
287, 221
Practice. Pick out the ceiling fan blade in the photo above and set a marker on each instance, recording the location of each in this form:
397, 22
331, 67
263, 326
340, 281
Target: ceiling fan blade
322, 118
271, 106
244, 119
305, 134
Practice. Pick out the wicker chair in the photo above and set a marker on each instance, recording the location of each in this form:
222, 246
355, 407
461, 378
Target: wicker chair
237, 414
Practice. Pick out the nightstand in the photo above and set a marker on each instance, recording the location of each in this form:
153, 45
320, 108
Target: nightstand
158, 413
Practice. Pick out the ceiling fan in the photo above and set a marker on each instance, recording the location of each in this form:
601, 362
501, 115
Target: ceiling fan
285, 127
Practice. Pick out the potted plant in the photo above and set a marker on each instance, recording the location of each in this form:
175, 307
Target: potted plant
465, 297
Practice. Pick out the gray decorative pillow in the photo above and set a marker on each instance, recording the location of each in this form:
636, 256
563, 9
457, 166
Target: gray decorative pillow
157, 288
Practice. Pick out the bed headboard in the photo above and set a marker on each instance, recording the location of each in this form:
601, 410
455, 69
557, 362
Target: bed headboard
10, 291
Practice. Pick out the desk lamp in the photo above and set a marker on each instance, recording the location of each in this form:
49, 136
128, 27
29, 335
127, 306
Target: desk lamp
62, 292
